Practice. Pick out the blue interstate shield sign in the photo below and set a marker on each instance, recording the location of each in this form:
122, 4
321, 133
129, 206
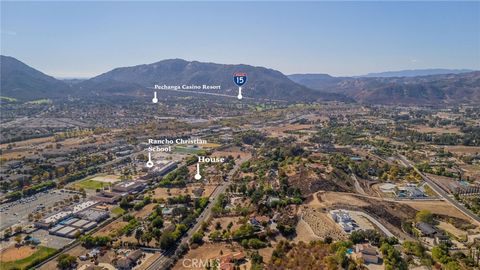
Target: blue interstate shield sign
239, 78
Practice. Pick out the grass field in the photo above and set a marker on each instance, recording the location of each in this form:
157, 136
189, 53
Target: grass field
117, 211
91, 184
40, 254
187, 150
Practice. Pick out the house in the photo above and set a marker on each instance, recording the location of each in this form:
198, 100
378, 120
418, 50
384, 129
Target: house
129, 261
426, 229
366, 252
227, 261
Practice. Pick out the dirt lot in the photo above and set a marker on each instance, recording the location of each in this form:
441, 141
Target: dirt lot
13, 253
439, 130
471, 170
164, 193
232, 151
106, 178
280, 130
451, 229
459, 150
111, 228
436, 207
145, 211
446, 183
205, 252
327, 199
224, 221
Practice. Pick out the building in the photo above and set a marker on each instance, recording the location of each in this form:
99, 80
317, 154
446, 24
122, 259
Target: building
82, 206
65, 231
129, 261
162, 168
426, 229
366, 252
343, 219
129, 187
53, 219
107, 197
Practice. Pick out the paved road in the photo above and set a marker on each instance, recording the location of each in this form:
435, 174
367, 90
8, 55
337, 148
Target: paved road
358, 187
441, 192
162, 262
214, 94
376, 222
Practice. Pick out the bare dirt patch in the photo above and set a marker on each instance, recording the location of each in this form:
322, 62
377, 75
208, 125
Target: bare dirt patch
13, 253
111, 228
234, 152
224, 221
164, 193
438, 130
451, 229
106, 178
459, 150
145, 211
436, 207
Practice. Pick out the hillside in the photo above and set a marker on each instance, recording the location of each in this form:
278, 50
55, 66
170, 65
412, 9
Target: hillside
262, 82
432, 90
22, 82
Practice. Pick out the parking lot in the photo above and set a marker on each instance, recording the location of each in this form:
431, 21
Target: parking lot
16, 213
49, 240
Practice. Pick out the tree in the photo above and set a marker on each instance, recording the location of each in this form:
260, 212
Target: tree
166, 240
197, 237
138, 234
424, 216
18, 238
66, 261
440, 254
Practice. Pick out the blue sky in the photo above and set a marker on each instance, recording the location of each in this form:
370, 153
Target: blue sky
76, 39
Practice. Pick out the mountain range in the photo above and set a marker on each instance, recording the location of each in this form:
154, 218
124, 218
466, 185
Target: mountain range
22, 82
416, 72
428, 90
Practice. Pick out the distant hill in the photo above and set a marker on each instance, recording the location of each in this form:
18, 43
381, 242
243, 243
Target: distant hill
19, 81
23, 83
262, 82
416, 72
432, 90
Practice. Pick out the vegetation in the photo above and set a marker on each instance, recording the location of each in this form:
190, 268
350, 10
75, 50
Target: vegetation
40, 254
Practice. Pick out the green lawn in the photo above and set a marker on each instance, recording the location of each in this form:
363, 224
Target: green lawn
187, 150
117, 211
41, 254
91, 184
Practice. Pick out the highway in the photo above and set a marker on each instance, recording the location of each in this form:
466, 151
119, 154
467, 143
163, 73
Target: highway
441, 192
163, 261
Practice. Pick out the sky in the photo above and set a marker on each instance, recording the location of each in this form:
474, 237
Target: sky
84, 39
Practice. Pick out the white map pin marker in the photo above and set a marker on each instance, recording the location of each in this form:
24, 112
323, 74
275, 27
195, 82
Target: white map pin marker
155, 99
149, 162
239, 93
197, 175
